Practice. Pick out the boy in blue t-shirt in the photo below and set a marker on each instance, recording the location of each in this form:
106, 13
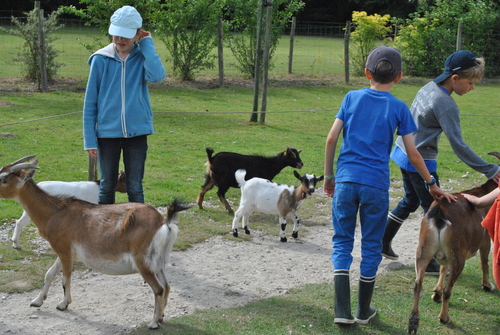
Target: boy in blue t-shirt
368, 118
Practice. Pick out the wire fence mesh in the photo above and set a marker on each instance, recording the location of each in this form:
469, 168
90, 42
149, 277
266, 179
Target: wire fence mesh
318, 50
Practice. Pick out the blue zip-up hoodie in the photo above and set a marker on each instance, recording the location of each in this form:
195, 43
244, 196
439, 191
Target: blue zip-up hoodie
117, 98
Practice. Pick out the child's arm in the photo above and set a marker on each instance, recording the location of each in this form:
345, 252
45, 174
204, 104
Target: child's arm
483, 201
331, 144
418, 162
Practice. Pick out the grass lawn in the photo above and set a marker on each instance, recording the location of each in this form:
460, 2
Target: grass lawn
188, 119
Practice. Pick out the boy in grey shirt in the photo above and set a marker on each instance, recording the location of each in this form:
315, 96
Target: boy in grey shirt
435, 112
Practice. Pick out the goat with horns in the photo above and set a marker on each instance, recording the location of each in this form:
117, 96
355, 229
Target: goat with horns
114, 239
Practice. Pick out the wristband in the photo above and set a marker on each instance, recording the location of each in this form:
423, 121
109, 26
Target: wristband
433, 181
330, 177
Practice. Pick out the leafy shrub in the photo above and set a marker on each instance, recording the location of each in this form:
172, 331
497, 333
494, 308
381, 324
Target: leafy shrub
429, 36
189, 30
369, 30
30, 54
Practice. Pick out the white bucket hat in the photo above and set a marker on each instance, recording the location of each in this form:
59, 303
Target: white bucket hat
125, 22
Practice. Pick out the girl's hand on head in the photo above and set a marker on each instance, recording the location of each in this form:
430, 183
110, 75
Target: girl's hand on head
143, 33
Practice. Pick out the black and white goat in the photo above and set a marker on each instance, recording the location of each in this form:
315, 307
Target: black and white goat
222, 167
262, 195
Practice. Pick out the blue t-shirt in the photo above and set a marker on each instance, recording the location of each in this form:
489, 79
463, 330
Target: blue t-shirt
370, 120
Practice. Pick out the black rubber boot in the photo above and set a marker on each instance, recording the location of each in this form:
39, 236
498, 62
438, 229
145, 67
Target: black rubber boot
342, 306
433, 268
391, 229
365, 312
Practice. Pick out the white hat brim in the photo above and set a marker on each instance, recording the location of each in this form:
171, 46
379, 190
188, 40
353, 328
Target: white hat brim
121, 31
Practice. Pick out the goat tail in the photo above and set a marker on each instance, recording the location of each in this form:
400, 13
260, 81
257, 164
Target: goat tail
172, 210
240, 177
436, 216
210, 152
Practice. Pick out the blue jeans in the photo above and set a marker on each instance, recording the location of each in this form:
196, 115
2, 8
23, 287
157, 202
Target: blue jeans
416, 195
134, 158
373, 205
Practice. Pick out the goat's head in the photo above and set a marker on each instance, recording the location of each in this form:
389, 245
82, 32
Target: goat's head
308, 182
292, 158
14, 175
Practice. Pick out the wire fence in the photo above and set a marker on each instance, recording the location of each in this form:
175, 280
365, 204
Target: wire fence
318, 50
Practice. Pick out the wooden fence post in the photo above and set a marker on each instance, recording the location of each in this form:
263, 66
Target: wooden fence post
459, 35
42, 81
221, 52
347, 36
92, 169
265, 64
258, 56
292, 40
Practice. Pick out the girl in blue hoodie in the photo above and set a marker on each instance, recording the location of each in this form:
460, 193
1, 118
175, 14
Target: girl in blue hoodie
117, 114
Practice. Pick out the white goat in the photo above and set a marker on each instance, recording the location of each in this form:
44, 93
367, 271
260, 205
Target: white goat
264, 196
83, 190
115, 239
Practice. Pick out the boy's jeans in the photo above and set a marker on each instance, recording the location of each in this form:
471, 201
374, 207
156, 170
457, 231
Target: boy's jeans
373, 205
134, 158
416, 194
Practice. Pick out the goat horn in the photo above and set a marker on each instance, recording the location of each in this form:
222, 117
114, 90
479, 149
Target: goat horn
18, 167
24, 159
495, 153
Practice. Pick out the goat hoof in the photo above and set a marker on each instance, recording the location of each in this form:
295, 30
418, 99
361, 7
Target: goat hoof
488, 288
295, 234
235, 233
445, 320
437, 296
413, 323
154, 325
35, 303
62, 306
247, 231
283, 239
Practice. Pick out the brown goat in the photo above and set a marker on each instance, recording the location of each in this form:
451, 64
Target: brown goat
451, 233
114, 239
84, 190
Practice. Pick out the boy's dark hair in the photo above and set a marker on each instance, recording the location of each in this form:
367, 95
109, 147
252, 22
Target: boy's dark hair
383, 73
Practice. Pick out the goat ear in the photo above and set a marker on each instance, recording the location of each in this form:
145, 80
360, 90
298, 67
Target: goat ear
320, 178
28, 176
297, 175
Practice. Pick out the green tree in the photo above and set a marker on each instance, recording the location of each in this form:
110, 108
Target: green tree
30, 54
242, 19
369, 30
429, 36
189, 30
98, 12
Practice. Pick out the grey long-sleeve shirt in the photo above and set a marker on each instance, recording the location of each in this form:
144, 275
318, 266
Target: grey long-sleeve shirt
435, 112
